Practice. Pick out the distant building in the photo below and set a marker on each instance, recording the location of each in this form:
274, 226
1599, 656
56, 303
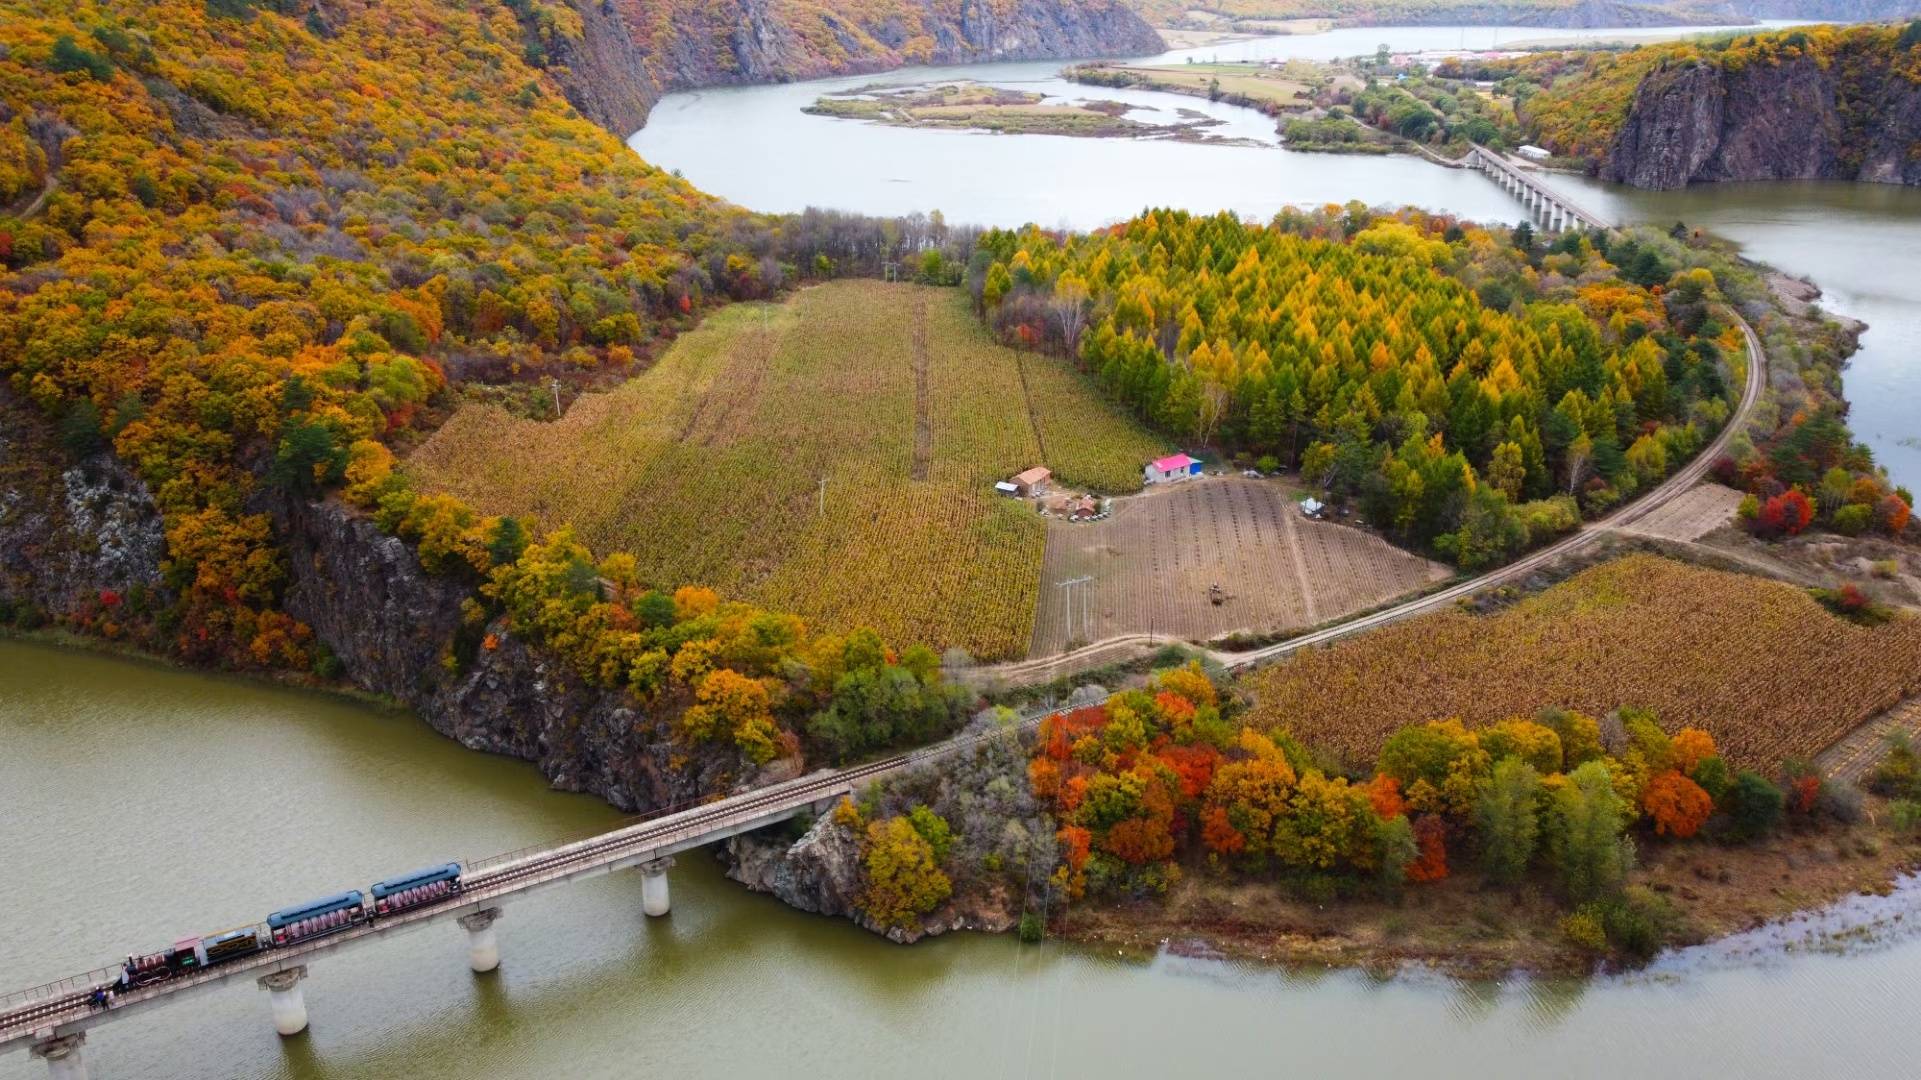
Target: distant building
1033, 481
1534, 153
1312, 507
1170, 468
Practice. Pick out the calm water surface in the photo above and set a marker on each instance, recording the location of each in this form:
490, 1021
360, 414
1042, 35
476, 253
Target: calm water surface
144, 803
1860, 243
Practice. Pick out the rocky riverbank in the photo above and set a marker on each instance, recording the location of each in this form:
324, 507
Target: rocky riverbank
630, 53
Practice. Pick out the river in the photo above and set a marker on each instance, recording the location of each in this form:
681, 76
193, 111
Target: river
145, 803
1860, 243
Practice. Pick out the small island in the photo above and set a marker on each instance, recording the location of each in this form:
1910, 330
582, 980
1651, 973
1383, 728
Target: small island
971, 106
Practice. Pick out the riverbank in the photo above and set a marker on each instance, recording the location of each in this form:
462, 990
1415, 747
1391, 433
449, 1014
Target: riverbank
1462, 928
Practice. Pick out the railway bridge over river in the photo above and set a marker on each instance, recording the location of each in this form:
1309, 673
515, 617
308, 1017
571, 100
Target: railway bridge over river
52, 1021
1555, 210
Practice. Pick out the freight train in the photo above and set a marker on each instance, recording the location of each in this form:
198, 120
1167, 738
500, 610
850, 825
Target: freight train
287, 927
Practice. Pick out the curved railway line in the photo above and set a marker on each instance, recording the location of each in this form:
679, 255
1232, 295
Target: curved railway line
62, 1008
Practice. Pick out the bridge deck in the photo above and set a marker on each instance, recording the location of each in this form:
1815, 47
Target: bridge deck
61, 1008
1487, 161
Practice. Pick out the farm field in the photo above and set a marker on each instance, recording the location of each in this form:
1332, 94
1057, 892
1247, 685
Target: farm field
1702, 510
708, 466
1759, 664
1154, 560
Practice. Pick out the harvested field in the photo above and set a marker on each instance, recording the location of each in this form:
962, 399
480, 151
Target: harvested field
1757, 663
1695, 514
708, 466
1155, 559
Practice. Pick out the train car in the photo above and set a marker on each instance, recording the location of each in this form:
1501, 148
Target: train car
318, 918
148, 968
397, 894
241, 941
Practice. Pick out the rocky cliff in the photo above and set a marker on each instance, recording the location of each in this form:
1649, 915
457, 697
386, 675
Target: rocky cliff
1696, 121
631, 52
80, 541
400, 632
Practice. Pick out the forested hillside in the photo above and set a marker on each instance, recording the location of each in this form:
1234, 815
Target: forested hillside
243, 246
1816, 103
1464, 385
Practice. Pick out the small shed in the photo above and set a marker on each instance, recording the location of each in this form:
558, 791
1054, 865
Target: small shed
1033, 481
1006, 488
1083, 507
1170, 468
1534, 153
1312, 507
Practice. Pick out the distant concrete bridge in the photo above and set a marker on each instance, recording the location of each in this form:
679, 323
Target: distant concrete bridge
1554, 210
52, 1021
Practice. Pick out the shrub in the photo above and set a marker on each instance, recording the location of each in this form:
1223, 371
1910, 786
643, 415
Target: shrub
1032, 929
1585, 928
1899, 769
1754, 806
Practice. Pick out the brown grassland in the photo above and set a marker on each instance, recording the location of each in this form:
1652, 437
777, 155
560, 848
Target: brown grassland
708, 466
1758, 663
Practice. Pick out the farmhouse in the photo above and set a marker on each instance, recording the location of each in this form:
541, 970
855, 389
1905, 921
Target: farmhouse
1033, 481
1170, 468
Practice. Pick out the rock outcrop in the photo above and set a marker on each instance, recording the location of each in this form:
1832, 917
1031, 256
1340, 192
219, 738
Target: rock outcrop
1694, 121
821, 872
72, 534
632, 52
399, 631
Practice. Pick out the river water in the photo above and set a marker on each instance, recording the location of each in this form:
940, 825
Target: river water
1860, 242
145, 803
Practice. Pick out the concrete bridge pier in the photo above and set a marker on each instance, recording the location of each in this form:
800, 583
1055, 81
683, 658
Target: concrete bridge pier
63, 1057
483, 948
653, 886
289, 1004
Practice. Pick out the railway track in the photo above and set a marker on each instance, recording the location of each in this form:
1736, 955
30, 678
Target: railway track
47, 1007
65, 1002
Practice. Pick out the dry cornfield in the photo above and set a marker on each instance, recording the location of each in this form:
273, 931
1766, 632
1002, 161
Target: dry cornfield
1758, 663
708, 466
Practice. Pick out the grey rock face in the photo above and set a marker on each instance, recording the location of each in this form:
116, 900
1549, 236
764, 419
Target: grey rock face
1693, 122
394, 626
71, 532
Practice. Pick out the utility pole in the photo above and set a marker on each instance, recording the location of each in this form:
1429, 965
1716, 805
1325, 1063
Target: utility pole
823, 496
555, 383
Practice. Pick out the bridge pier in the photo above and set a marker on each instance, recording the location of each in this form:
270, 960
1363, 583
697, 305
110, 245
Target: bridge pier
653, 886
63, 1057
289, 1004
483, 948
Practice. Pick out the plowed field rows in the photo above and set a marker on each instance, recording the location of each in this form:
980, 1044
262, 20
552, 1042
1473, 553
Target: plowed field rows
1154, 561
1693, 515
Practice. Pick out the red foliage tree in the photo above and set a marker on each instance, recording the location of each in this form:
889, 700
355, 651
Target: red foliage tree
1431, 834
1139, 840
1678, 805
1385, 793
1219, 834
1802, 791
1893, 512
1787, 513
